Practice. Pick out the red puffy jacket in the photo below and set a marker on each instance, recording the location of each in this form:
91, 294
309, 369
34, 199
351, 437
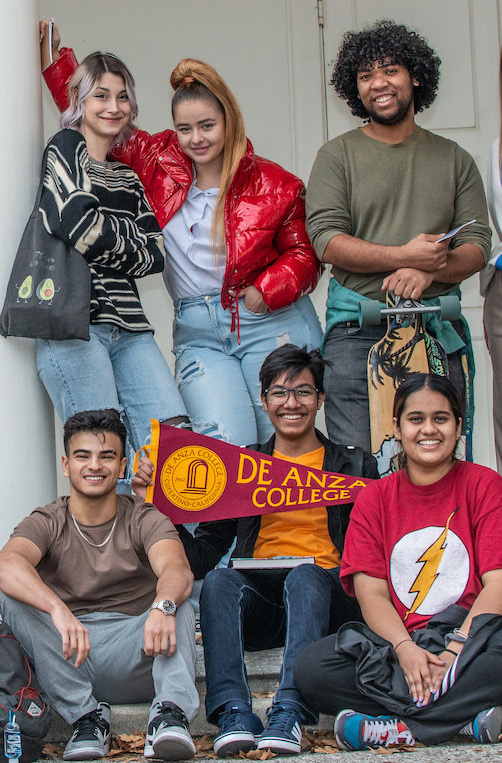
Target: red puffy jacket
267, 244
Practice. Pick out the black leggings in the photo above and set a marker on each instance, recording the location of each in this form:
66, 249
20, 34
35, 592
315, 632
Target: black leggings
327, 681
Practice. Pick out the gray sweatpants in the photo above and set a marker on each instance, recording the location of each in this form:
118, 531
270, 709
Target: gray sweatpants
116, 671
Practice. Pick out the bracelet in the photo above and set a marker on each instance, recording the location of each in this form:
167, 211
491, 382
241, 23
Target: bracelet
402, 642
451, 652
456, 635
458, 632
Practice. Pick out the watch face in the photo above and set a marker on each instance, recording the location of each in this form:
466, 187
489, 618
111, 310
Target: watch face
168, 607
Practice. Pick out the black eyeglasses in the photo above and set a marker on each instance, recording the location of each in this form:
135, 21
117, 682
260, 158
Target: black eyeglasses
304, 394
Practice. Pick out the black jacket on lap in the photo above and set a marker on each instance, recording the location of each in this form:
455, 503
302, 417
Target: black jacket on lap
213, 539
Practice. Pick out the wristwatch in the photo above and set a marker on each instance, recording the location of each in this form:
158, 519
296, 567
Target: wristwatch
166, 606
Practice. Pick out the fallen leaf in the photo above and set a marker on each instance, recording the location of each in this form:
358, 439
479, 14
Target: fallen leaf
204, 743
258, 754
264, 694
325, 749
52, 751
206, 755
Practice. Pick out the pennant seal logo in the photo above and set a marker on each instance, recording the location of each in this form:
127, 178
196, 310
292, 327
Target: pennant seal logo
193, 478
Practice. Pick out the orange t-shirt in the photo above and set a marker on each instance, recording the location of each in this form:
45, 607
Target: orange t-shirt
298, 533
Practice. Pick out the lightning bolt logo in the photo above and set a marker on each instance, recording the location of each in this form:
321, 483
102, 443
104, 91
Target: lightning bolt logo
431, 559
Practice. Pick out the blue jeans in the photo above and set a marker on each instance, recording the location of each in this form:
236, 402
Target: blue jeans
258, 611
346, 406
217, 377
114, 369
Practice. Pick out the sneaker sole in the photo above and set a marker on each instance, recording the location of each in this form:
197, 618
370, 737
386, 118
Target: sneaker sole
280, 746
233, 743
173, 747
86, 753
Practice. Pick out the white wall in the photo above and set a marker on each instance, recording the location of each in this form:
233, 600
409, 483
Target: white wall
27, 434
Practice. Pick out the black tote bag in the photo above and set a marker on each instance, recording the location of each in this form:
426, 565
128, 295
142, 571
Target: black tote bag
49, 290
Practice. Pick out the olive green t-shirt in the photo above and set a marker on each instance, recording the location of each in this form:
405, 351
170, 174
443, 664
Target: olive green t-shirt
389, 193
116, 577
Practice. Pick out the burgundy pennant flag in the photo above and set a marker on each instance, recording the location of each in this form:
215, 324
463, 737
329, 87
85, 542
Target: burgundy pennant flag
199, 479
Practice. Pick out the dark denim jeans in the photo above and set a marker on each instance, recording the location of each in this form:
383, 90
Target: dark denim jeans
346, 406
260, 611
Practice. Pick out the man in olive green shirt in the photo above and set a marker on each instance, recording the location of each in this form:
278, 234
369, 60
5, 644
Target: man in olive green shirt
378, 199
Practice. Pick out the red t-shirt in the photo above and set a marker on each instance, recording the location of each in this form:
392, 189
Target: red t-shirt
432, 543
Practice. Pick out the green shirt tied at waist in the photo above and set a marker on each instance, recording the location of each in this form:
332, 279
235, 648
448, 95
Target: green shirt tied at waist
389, 193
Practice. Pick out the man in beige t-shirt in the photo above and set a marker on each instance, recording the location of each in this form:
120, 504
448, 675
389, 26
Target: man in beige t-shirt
95, 588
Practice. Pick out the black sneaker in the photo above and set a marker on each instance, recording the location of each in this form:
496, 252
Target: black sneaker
91, 735
168, 736
239, 730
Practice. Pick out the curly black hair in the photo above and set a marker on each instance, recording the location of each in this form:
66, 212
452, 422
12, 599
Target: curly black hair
385, 40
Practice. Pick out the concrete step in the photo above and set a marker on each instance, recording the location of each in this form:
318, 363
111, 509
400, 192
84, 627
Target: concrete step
263, 674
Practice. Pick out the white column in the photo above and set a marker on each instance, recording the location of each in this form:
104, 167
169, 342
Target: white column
26, 420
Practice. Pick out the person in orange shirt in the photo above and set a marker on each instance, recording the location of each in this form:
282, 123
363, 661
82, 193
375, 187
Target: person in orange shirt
290, 608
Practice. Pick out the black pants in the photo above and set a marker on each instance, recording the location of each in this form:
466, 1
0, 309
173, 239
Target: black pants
327, 680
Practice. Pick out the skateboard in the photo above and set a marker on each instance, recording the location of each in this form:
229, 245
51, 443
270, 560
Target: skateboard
406, 348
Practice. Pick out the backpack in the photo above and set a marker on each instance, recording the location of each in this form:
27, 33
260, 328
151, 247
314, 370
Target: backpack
21, 694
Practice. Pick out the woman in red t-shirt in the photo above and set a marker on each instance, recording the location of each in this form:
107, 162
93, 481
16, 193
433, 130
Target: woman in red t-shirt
424, 559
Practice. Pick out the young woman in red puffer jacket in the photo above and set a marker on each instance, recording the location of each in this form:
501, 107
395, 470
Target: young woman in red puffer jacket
239, 261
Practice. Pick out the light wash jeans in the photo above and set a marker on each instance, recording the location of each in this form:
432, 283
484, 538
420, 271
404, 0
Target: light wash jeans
114, 369
218, 377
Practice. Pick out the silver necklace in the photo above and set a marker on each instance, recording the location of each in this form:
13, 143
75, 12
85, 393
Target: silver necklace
96, 545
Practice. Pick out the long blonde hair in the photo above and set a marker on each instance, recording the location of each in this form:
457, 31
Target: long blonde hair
194, 80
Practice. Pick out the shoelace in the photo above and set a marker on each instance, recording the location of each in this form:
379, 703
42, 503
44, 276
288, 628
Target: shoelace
281, 718
88, 724
231, 717
171, 715
386, 733
468, 730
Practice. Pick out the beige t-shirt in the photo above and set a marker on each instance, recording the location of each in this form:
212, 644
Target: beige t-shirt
114, 578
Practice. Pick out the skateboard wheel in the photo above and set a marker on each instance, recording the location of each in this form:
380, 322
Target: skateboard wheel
449, 307
369, 312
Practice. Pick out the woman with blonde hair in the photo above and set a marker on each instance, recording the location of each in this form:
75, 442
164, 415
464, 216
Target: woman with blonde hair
239, 263
100, 208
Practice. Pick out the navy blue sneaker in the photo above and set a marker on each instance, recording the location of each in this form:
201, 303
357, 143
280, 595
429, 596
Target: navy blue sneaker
239, 730
357, 731
486, 726
283, 732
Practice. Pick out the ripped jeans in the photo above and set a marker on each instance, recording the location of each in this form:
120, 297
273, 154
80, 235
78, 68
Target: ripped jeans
217, 377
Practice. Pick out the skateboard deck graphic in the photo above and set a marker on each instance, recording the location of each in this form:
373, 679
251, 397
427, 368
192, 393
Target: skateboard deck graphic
406, 348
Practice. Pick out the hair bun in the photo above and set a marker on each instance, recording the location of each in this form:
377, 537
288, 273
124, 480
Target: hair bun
190, 70
183, 74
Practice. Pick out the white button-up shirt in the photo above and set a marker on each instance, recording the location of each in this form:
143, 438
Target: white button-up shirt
192, 267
